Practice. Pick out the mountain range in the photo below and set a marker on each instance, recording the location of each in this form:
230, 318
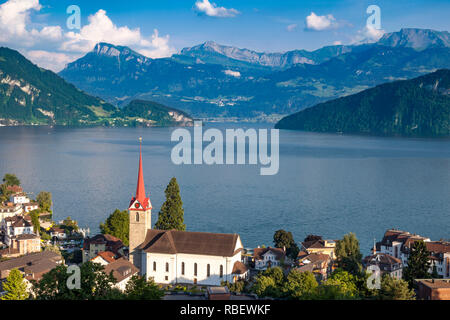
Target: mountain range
32, 95
212, 80
416, 107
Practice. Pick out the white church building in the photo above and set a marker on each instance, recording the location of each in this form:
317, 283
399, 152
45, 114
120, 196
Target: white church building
171, 256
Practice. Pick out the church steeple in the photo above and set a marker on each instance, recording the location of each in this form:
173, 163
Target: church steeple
144, 202
140, 216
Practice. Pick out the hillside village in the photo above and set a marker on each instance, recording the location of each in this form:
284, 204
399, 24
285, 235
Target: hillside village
176, 264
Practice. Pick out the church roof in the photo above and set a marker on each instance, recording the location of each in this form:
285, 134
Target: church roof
200, 243
140, 188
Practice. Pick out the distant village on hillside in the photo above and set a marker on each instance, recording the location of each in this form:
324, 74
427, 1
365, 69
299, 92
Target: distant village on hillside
167, 262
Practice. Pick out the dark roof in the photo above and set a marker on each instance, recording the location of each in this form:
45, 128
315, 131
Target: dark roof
259, 252
381, 258
404, 237
315, 244
19, 221
438, 246
316, 257
239, 268
202, 243
35, 262
26, 236
121, 269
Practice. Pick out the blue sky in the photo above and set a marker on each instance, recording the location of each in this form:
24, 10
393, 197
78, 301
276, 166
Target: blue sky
263, 25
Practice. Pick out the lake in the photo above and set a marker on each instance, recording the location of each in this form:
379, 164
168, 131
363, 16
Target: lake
327, 184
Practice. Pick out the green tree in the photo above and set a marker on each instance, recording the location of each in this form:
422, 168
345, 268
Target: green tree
171, 215
345, 281
418, 263
15, 287
35, 221
237, 286
70, 225
44, 199
117, 225
11, 180
285, 239
140, 289
348, 253
95, 284
300, 285
395, 289
265, 287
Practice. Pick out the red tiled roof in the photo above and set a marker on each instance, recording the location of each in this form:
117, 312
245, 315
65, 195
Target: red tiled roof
259, 252
239, 268
108, 256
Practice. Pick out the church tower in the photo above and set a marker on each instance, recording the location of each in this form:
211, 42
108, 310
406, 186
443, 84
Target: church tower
140, 213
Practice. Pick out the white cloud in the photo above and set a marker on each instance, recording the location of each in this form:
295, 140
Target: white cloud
320, 23
291, 27
232, 73
368, 34
212, 10
51, 47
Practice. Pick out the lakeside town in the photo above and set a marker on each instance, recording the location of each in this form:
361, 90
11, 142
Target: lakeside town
46, 260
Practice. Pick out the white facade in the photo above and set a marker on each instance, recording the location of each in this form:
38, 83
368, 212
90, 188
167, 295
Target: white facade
268, 259
190, 269
19, 198
9, 211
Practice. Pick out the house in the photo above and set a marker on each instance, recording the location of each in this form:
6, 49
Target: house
58, 233
104, 258
15, 226
9, 209
388, 264
319, 264
433, 289
122, 270
102, 242
19, 198
399, 243
319, 245
33, 266
172, 256
202, 258
268, 257
30, 206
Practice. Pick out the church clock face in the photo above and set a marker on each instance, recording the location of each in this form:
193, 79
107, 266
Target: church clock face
137, 205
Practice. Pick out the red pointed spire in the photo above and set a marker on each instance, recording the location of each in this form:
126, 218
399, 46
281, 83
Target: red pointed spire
140, 188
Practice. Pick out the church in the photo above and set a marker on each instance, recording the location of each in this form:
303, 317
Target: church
180, 257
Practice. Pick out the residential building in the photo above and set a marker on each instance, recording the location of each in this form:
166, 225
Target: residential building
320, 246
58, 233
320, 264
122, 270
433, 289
104, 258
387, 264
12, 227
102, 242
9, 209
19, 198
30, 206
268, 257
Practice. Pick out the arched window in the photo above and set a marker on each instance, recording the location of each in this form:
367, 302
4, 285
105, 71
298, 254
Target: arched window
182, 268
154, 265
221, 271
137, 216
167, 267
195, 269
208, 270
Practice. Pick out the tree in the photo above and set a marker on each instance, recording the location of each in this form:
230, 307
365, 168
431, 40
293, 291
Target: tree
418, 263
348, 254
284, 239
345, 281
35, 221
265, 287
312, 237
171, 215
138, 288
11, 180
95, 284
70, 225
395, 289
117, 225
300, 285
15, 287
44, 199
